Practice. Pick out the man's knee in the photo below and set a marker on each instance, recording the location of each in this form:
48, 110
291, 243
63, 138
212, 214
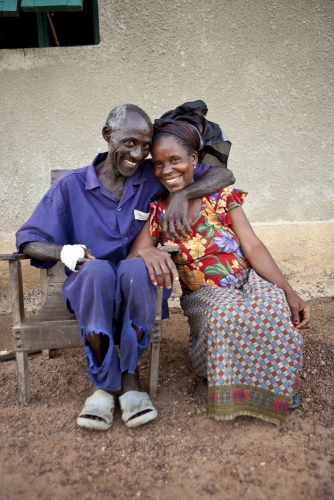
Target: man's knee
132, 264
134, 269
97, 270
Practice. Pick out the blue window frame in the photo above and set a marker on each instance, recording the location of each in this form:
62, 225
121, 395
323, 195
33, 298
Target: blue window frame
39, 26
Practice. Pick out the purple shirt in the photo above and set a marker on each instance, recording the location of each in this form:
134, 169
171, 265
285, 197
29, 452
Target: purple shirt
78, 209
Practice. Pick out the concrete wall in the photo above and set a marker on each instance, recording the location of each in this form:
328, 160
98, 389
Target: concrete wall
265, 70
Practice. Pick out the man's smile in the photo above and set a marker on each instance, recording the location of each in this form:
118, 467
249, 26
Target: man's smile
131, 163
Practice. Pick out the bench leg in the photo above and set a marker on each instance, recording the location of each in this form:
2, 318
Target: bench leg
23, 376
154, 368
46, 353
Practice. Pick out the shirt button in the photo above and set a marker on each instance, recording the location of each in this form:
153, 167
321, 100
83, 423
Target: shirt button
119, 209
125, 239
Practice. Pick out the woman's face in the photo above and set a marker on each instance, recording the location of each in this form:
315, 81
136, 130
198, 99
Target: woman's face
173, 165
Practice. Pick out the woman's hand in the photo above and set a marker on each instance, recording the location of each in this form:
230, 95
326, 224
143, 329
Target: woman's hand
262, 262
160, 266
300, 310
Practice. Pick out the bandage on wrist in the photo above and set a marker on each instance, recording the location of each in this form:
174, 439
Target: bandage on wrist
70, 254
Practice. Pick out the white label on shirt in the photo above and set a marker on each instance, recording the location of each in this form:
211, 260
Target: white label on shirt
141, 215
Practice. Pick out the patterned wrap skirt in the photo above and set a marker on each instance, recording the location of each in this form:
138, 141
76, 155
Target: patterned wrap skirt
243, 342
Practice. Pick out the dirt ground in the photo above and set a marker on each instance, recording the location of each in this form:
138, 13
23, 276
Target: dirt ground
183, 453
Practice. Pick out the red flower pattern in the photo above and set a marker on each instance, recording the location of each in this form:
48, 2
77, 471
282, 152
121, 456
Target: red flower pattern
281, 406
240, 395
211, 254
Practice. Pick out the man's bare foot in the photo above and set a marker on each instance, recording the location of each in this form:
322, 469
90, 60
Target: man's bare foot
131, 382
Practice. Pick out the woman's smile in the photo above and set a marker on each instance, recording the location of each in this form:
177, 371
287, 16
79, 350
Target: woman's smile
172, 180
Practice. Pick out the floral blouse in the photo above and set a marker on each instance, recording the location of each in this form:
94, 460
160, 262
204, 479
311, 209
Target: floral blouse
211, 255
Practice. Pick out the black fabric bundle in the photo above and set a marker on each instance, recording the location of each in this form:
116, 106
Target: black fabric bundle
212, 144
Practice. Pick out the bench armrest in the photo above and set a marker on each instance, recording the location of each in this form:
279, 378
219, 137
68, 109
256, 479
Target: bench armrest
13, 256
169, 248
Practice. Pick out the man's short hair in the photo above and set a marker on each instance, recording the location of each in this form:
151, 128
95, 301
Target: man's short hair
117, 115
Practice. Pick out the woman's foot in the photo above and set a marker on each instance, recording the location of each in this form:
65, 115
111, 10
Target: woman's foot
296, 401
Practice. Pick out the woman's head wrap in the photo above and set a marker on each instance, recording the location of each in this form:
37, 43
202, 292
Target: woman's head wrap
189, 123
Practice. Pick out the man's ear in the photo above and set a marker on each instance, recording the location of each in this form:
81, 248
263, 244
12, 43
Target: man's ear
106, 133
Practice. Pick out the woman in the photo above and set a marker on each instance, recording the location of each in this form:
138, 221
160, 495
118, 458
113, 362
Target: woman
244, 316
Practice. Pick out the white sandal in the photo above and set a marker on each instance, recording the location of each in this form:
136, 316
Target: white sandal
134, 402
101, 405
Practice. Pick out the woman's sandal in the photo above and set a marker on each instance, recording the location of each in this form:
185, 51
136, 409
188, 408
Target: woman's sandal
137, 408
296, 401
98, 411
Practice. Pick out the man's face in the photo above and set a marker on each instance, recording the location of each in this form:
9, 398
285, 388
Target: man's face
129, 145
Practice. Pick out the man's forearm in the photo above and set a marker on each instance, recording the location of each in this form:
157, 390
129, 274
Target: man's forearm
41, 250
215, 179
176, 222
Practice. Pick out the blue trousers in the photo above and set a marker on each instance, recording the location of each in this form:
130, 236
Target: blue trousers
111, 301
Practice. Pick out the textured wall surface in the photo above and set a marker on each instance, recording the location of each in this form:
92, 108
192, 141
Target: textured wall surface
264, 68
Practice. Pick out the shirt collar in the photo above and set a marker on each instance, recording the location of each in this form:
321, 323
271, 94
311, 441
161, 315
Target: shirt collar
92, 181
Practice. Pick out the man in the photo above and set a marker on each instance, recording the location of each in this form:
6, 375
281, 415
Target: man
95, 212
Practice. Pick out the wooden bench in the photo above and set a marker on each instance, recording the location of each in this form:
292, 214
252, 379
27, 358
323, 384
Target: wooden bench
54, 327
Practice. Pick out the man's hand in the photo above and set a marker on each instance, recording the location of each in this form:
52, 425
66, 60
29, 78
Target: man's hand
41, 250
176, 222
160, 266
88, 256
